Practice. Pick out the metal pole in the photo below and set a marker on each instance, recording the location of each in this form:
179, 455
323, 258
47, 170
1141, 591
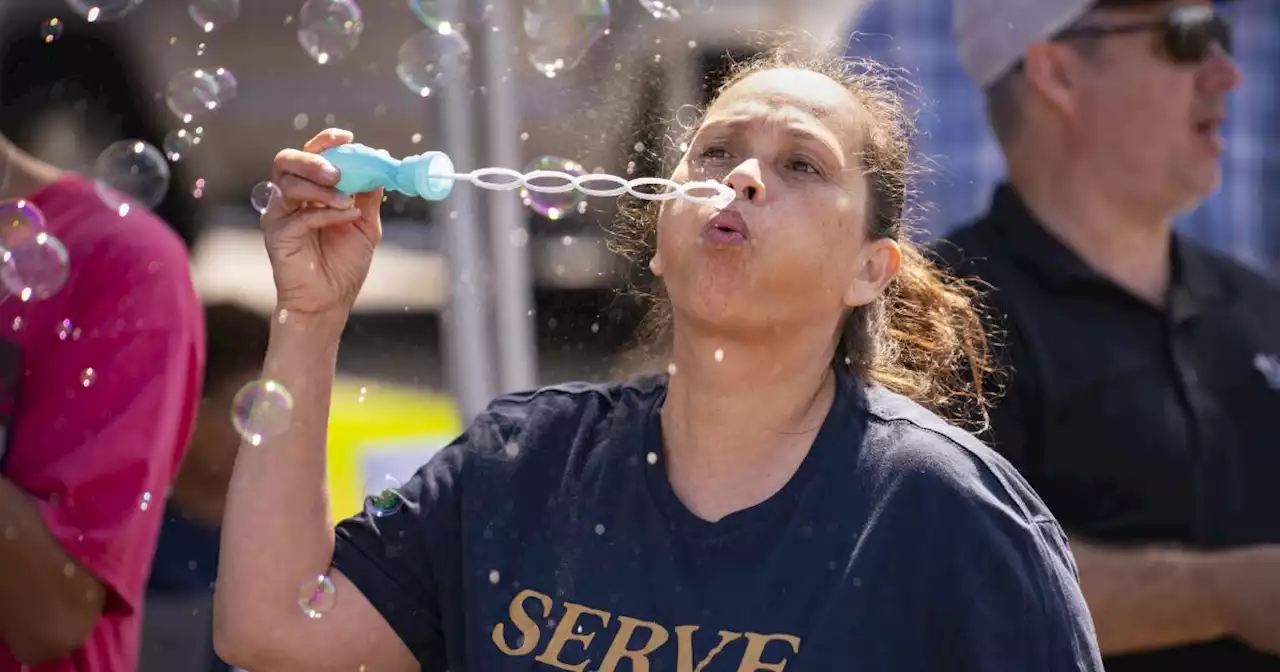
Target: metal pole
467, 328
508, 221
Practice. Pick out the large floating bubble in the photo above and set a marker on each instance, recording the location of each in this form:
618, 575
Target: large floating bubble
426, 58
561, 31
329, 29
135, 169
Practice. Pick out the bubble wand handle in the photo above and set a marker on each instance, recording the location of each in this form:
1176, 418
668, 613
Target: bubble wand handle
431, 176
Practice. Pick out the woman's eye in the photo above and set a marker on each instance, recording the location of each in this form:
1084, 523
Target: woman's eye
804, 167
714, 153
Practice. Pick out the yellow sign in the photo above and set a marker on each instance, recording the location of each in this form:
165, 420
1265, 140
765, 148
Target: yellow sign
378, 430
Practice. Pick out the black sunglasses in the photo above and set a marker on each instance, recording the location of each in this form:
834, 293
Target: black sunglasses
1189, 33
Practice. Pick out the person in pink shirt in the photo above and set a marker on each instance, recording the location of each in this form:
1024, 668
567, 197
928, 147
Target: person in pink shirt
99, 386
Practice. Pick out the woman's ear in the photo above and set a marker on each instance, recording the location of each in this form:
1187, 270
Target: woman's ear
877, 265
655, 264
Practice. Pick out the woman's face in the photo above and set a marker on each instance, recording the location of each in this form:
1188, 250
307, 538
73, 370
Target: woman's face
792, 250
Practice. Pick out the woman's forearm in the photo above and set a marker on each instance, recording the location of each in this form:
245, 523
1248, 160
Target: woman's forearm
276, 530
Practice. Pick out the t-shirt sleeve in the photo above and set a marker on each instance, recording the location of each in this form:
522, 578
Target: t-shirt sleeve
1019, 598
401, 562
103, 416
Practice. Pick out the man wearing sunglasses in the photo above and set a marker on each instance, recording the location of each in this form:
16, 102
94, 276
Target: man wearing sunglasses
1144, 370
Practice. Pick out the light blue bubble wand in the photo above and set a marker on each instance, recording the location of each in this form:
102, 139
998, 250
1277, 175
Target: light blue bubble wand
432, 175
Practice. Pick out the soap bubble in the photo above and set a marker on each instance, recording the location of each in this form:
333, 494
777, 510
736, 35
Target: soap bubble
51, 30
317, 597
561, 31
103, 10
227, 85
211, 15
20, 222
262, 195
329, 29
192, 93
427, 57
554, 206
671, 10
260, 410
382, 496
36, 268
133, 168
177, 144
430, 13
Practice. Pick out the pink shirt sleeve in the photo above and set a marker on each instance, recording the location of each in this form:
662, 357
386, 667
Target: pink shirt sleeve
103, 415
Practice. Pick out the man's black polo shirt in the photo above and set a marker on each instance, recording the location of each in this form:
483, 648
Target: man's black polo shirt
1134, 422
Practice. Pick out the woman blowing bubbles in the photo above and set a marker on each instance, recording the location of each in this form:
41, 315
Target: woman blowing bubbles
783, 500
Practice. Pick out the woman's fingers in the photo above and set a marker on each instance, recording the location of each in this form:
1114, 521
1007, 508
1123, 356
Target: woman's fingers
300, 190
330, 137
312, 219
306, 165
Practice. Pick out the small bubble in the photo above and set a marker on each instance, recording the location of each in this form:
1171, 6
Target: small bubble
261, 409
300, 122
651, 458
87, 377
599, 528
719, 355
262, 195
317, 597
417, 138
51, 30
671, 369
494, 576
382, 496
512, 449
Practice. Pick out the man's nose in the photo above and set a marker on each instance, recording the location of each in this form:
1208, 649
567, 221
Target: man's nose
745, 181
1219, 72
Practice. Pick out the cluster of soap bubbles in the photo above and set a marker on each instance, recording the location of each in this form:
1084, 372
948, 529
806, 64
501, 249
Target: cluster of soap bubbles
33, 263
134, 170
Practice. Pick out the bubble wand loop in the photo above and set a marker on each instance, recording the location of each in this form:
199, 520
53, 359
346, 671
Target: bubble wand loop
432, 176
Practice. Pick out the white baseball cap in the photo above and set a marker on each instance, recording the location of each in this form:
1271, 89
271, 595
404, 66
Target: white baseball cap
993, 35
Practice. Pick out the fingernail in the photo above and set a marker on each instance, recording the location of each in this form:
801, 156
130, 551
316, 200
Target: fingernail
343, 201
331, 171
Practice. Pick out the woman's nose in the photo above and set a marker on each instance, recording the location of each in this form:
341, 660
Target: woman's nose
746, 182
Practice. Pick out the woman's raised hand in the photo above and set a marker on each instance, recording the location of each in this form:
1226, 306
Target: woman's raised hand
320, 241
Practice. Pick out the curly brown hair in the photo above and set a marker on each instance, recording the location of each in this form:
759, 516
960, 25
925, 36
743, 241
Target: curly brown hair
925, 337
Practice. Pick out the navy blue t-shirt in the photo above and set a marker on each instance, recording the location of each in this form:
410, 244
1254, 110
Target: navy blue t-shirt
548, 537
